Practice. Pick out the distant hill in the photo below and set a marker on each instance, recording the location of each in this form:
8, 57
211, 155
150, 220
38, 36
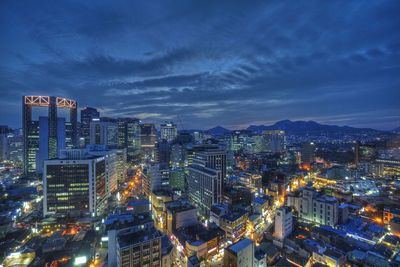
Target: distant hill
396, 129
218, 131
311, 128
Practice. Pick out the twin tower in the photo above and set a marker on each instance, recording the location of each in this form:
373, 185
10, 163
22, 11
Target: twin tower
46, 144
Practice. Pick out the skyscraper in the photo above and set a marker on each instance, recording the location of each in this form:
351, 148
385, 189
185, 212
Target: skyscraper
129, 137
79, 182
307, 152
169, 131
276, 140
87, 115
205, 179
104, 133
148, 138
30, 128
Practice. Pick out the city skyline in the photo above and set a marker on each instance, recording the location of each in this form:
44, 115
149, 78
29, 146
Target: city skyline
207, 64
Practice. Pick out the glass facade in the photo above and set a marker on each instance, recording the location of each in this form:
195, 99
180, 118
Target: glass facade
67, 188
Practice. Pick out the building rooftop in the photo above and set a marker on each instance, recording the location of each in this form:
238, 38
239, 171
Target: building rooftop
130, 239
240, 245
259, 200
233, 216
178, 206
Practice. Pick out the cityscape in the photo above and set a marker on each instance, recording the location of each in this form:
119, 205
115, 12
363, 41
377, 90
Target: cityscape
185, 133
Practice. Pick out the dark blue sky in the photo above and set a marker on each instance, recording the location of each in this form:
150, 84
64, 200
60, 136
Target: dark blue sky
205, 63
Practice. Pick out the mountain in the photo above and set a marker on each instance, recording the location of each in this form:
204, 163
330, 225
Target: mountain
311, 128
218, 131
396, 129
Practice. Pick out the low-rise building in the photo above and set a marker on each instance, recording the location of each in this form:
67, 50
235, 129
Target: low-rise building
239, 254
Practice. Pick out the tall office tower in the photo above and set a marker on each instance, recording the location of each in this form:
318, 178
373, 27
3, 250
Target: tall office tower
112, 164
14, 147
129, 136
283, 224
162, 153
204, 182
158, 177
121, 164
87, 115
141, 248
4, 131
77, 183
104, 133
239, 254
43, 152
212, 157
276, 140
169, 131
307, 152
148, 138
177, 179
30, 128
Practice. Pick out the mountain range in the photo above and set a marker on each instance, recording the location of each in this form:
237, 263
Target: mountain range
305, 128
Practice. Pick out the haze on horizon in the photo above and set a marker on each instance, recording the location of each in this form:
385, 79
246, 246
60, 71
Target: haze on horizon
206, 63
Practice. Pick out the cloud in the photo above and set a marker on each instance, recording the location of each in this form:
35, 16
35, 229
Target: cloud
210, 63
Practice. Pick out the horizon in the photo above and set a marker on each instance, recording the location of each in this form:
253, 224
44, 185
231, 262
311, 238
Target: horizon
204, 64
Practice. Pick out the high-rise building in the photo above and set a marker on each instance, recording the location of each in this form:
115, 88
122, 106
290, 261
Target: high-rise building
141, 248
283, 223
30, 128
177, 179
314, 206
239, 254
307, 153
276, 140
77, 183
148, 138
43, 152
87, 115
129, 137
162, 153
180, 214
169, 131
205, 180
212, 157
104, 133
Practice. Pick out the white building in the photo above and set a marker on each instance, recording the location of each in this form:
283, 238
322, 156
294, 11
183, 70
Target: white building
283, 223
169, 131
315, 207
239, 254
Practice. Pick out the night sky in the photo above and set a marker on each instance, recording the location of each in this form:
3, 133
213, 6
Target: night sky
206, 63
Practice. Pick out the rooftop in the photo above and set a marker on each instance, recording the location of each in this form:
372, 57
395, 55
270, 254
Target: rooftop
129, 239
240, 245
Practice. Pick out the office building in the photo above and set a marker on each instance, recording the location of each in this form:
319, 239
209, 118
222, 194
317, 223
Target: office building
147, 138
104, 133
234, 224
275, 140
205, 183
43, 152
77, 183
314, 206
239, 254
180, 214
283, 224
30, 128
162, 153
177, 179
141, 248
124, 223
129, 137
307, 153
87, 115
169, 131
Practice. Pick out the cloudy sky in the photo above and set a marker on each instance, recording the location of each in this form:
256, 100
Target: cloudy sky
206, 63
